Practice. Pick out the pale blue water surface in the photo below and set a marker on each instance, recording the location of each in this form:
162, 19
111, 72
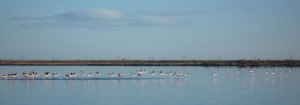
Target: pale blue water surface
232, 86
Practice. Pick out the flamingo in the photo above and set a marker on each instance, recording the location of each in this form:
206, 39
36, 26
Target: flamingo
214, 74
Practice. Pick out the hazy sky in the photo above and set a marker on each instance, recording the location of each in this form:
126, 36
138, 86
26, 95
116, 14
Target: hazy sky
138, 29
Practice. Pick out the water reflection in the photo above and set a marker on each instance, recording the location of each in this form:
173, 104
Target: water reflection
69, 83
85, 83
140, 83
119, 82
45, 82
272, 82
97, 84
251, 80
159, 82
179, 82
11, 82
31, 83
214, 82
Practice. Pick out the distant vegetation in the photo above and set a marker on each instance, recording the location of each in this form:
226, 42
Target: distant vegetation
281, 63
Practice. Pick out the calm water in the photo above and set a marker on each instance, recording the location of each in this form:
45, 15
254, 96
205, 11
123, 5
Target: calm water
232, 86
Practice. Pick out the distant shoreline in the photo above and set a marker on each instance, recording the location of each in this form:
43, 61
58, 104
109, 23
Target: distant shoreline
247, 63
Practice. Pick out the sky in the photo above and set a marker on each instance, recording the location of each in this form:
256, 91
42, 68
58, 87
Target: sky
149, 29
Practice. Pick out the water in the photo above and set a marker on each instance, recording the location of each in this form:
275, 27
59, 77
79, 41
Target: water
230, 87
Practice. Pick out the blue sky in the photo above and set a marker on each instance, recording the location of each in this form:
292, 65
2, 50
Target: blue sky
138, 29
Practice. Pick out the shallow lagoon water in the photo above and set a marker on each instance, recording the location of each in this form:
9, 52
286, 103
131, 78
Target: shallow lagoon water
199, 88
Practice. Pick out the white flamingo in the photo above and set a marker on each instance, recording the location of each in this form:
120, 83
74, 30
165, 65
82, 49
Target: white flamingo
214, 74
